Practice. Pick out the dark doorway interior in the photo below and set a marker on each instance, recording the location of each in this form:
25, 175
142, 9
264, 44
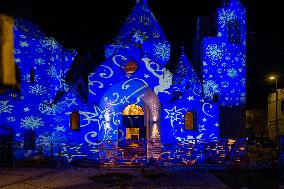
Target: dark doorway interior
6, 147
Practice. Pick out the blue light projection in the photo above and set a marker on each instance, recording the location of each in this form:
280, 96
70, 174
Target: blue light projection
224, 57
152, 86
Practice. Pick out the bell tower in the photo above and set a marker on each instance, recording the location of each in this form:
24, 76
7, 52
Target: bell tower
224, 65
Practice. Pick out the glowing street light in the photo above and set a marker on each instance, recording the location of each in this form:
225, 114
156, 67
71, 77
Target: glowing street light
274, 77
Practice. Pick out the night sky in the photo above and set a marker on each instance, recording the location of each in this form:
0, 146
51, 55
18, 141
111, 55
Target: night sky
87, 25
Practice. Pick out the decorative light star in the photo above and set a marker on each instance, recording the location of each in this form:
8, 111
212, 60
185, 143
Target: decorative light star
173, 114
26, 109
17, 60
146, 76
24, 44
190, 98
69, 102
60, 128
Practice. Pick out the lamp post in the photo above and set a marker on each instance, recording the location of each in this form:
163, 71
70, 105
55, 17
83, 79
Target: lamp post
276, 112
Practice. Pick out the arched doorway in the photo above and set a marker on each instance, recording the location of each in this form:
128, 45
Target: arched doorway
6, 146
133, 122
112, 104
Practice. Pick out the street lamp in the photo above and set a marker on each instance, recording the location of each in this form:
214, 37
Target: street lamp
274, 77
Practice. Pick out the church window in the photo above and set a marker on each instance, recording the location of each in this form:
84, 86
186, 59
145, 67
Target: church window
189, 121
234, 31
75, 121
32, 75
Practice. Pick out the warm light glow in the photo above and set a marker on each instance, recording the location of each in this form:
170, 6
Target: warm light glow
155, 132
272, 77
133, 109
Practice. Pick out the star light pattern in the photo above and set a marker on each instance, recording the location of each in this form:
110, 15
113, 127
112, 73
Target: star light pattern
152, 85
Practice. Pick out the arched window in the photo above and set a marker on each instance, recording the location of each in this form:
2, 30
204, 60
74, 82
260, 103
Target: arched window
75, 121
234, 31
189, 121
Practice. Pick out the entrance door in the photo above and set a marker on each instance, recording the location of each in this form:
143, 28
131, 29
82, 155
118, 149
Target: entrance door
133, 123
134, 127
6, 147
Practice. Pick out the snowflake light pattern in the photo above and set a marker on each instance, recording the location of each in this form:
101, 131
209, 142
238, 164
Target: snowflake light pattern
48, 108
37, 89
46, 138
210, 88
50, 43
214, 52
39, 61
226, 16
162, 51
11, 119
232, 73
5, 107
31, 122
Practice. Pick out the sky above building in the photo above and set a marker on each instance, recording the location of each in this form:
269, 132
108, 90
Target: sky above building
87, 25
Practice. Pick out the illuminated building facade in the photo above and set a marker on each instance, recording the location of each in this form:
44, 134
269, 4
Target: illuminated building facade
131, 95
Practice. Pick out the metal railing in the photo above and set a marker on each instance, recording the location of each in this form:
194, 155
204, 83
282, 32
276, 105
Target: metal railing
129, 153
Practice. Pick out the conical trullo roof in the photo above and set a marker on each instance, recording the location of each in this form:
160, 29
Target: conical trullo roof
184, 73
142, 25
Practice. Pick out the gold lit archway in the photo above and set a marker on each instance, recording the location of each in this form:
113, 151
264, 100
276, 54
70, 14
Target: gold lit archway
133, 109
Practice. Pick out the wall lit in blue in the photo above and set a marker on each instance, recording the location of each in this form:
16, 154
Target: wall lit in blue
133, 72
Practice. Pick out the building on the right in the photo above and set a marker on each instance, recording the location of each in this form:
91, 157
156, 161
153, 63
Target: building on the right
272, 119
256, 125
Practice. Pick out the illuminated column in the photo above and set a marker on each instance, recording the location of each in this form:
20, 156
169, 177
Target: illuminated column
107, 126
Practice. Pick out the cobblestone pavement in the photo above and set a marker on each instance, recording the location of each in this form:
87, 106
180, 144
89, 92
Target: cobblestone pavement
87, 178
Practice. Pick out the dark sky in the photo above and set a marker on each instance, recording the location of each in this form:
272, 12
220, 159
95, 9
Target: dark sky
87, 25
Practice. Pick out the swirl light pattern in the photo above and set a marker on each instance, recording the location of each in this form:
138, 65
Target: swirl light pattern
164, 96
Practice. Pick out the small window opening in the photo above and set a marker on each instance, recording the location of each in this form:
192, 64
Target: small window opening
29, 140
234, 32
32, 75
75, 121
189, 121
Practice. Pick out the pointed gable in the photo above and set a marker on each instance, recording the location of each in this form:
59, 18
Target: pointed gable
185, 75
141, 23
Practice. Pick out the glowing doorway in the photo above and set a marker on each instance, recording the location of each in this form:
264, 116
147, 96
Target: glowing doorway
133, 122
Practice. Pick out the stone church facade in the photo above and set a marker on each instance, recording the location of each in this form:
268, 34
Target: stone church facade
131, 96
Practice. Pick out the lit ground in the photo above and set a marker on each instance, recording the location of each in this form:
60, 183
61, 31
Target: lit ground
85, 178
126, 178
